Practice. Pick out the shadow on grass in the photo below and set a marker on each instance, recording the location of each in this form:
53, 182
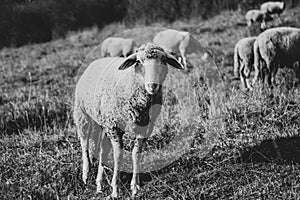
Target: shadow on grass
279, 150
37, 116
282, 149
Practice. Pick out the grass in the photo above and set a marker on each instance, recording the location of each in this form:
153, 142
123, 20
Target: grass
254, 138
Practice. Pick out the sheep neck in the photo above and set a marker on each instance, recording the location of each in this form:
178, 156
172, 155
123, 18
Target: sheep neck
141, 103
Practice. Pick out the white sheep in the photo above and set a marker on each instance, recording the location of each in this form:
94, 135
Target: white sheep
273, 7
244, 60
114, 93
174, 41
274, 48
259, 16
118, 47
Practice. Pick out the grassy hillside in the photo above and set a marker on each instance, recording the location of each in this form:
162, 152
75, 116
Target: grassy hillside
256, 148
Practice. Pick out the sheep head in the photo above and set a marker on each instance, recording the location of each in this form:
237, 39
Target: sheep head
150, 62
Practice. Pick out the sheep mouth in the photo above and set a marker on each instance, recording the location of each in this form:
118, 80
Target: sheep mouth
152, 88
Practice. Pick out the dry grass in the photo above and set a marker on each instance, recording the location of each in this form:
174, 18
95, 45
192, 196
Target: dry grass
41, 157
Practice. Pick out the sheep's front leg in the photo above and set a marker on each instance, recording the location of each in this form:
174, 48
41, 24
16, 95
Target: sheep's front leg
105, 147
136, 156
117, 145
273, 75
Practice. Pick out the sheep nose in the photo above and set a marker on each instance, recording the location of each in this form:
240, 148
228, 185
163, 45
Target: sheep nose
152, 88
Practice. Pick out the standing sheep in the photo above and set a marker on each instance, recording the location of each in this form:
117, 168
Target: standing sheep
273, 7
244, 60
274, 48
259, 16
117, 47
114, 93
174, 41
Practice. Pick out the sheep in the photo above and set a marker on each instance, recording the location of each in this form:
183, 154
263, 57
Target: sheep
107, 101
257, 16
244, 60
274, 48
116, 46
273, 7
174, 41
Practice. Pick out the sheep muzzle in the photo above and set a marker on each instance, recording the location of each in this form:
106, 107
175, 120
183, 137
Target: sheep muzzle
152, 88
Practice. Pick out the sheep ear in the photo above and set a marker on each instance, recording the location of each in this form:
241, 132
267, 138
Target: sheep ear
129, 61
171, 60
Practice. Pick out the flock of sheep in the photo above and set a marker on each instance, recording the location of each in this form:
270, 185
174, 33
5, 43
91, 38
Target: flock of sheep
272, 49
173, 41
266, 13
101, 123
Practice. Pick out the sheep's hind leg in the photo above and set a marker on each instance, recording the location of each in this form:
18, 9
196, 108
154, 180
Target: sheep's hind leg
242, 77
105, 147
247, 77
117, 144
83, 126
136, 156
273, 75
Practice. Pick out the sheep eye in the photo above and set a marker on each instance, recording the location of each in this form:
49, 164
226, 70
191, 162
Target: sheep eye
137, 63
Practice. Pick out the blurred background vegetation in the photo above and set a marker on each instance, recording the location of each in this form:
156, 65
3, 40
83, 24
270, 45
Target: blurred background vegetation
32, 21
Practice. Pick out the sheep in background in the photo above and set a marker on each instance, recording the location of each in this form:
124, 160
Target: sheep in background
273, 7
244, 60
274, 48
107, 101
117, 47
174, 41
259, 16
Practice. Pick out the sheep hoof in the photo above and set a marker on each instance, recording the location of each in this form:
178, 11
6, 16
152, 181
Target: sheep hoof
99, 190
134, 188
110, 197
132, 197
84, 179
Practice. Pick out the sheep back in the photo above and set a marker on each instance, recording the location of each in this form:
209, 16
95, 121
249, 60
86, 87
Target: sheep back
243, 51
170, 39
280, 45
117, 46
245, 48
114, 101
108, 95
254, 15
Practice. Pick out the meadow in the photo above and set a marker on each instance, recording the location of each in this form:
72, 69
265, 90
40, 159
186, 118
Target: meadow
256, 144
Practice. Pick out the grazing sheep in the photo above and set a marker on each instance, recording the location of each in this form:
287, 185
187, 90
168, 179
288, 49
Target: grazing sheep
259, 16
117, 47
114, 93
274, 48
174, 41
244, 60
273, 7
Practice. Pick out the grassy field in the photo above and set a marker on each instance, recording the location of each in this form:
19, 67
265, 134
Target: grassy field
256, 148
